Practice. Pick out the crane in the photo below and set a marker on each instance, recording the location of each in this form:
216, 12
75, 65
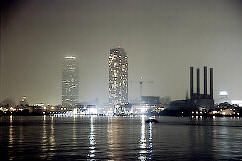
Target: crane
141, 82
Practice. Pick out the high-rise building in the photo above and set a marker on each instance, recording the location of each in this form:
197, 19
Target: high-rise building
118, 77
70, 82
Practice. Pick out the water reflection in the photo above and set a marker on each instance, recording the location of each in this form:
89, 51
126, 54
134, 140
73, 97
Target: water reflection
48, 144
10, 132
92, 141
11, 140
44, 139
142, 141
144, 144
150, 141
118, 138
52, 137
227, 139
115, 133
110, 139
74, 136
21, 139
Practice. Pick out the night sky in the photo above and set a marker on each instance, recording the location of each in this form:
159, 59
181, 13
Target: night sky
162, 38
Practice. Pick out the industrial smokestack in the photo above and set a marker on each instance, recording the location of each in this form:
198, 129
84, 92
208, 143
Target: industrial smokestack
205, 80
198, 81
211, 83
191, 82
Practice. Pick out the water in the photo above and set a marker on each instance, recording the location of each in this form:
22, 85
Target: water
119, 138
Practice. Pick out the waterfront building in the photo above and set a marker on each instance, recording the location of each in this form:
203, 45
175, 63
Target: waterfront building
223, 96
151, 100
118, 78
23, 102
237, 102
70, 82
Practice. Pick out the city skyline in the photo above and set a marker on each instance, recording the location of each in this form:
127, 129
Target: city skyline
162, 38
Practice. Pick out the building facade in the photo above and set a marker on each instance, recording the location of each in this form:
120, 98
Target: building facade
118, 77
70, 82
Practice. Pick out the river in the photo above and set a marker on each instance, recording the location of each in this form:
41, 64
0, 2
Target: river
120, 138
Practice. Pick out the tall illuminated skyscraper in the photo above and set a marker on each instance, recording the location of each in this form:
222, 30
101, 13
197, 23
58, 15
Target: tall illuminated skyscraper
70, 82
118, 77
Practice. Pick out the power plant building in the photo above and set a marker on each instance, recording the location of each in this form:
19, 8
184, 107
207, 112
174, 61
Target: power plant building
118, 77
197, 100
205, 99
70, 82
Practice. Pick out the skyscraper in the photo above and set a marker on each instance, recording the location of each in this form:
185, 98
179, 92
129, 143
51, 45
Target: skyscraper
118, 77
70, 82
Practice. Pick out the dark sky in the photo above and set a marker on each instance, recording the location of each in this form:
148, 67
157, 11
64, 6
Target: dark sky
161, 37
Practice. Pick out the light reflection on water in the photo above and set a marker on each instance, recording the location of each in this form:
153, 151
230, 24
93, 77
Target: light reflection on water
114, 135
10, 140
74, 131
120, 138
48, 139
92, 141
142, 140
145, 141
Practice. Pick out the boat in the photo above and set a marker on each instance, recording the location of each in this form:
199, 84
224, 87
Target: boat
151, 120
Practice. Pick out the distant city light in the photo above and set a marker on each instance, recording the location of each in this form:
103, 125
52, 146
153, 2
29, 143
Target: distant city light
93, 111
223, 93
237, 102
70, 57
75, 111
